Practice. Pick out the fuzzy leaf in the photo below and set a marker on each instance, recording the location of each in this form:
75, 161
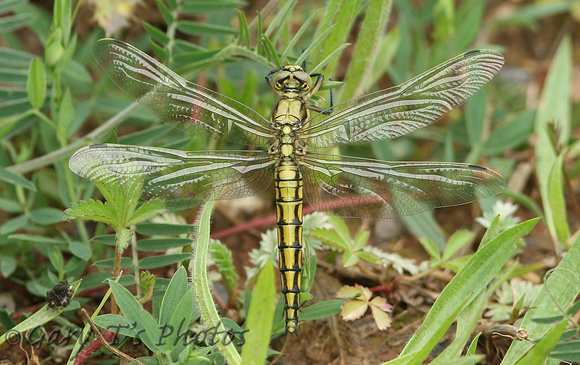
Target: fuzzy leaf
91, 210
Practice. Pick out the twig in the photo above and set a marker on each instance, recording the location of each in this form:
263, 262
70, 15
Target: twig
105, 342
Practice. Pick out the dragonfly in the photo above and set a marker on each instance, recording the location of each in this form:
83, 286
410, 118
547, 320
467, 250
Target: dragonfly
347, 186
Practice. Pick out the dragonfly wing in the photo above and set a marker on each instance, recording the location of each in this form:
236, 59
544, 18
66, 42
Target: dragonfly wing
358, 187
182, 178
176, 101
407, 107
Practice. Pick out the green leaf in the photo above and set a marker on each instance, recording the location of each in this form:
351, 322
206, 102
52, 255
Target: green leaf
115, 323
92, 210
321, 310
179, 321
473, 278
7, 265
37, 239
457, 240
80, 250
159, 244
195, 28
145, 325
110, 263
511, 134
349, 259
66, 113
164, 229
201, 282
342, 13
425, 225
554, 113
562, 287
46, 216
55, 257
367, 48
13, 224
330, 237
11, 23
165, 260
36, 84
205, 6
260, 317
155, 34
168, 17
557, 202
431, 249
475, 111
10, 5
176, 289
123, 238
14, 179
147, 211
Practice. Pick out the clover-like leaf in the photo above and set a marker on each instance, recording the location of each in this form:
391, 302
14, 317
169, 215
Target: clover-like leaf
360, 300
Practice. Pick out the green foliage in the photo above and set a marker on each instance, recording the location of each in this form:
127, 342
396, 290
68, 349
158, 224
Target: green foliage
52, 96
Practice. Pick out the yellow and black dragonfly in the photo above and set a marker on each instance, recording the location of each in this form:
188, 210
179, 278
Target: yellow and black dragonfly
347, 186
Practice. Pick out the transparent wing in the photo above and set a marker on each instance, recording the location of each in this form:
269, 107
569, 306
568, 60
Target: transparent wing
182, 178
173, 99
359, 187
405, 108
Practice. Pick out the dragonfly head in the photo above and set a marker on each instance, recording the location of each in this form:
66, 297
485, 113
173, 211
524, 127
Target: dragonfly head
290, 80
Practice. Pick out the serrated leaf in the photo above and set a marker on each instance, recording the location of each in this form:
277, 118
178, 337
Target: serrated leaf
379, 309
348, 292
147, 211
123, 237
353, 309
92, 210
36, 84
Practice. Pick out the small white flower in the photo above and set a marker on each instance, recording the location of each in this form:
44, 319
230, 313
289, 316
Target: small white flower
505, 212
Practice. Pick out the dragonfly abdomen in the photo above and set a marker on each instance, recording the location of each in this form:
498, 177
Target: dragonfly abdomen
289, 199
